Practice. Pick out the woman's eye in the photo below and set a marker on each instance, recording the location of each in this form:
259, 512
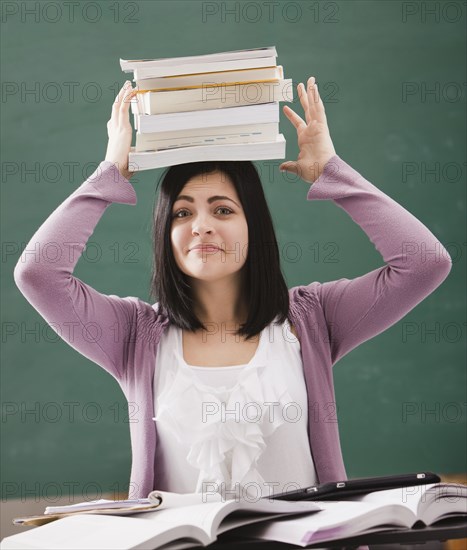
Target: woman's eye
176, 215
225, 208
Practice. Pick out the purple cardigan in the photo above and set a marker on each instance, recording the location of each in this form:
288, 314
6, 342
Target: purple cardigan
331, 318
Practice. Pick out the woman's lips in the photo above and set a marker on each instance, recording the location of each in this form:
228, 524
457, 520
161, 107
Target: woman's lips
205, 249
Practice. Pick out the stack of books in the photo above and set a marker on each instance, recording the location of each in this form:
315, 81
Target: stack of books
222, 106
175, 521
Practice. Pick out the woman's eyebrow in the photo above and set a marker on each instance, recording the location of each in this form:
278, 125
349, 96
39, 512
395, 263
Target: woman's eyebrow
210, 200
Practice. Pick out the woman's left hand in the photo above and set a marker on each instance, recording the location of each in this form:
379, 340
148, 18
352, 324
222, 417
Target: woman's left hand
314, 140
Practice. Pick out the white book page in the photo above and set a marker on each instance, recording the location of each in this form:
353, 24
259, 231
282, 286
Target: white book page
209, 516
233, 521
201, 516
443, 500
339, 519
96, 532
409, 497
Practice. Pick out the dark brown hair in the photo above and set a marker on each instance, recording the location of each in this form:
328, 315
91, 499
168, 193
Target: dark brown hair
265, 290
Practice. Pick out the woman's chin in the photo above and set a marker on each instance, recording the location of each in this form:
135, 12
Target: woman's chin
209, 273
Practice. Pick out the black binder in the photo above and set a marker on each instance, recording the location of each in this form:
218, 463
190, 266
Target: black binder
338, 490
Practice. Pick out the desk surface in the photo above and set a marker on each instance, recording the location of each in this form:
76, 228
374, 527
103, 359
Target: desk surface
448, 529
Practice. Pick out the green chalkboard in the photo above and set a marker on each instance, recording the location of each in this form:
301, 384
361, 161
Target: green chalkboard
392, 76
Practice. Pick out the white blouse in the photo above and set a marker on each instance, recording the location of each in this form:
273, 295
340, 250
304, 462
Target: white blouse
240, 429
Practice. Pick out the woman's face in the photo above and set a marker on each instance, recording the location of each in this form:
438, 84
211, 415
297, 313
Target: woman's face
200, 217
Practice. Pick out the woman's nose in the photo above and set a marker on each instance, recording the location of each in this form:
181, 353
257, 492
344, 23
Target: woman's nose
200, 227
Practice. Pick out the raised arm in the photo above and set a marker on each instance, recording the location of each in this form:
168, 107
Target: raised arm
416, 262
99, 326
358, 309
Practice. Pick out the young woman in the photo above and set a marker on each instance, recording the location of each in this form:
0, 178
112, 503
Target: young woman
228, 375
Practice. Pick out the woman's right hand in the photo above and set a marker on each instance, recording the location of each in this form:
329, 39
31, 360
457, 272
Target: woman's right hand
119, 131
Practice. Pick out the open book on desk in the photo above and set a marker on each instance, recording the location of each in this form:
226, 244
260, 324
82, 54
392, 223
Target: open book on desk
401, 508
155, 501
195, 517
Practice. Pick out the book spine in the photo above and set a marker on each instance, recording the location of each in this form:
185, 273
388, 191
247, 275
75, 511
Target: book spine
172, 157
128, 65
216, 97
178, 82
210, 118
204, 67
211, 136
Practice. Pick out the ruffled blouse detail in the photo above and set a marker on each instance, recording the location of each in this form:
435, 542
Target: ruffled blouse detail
224, 427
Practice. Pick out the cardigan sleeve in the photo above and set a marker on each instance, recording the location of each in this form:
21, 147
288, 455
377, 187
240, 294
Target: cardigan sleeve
415, 261
99, 326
